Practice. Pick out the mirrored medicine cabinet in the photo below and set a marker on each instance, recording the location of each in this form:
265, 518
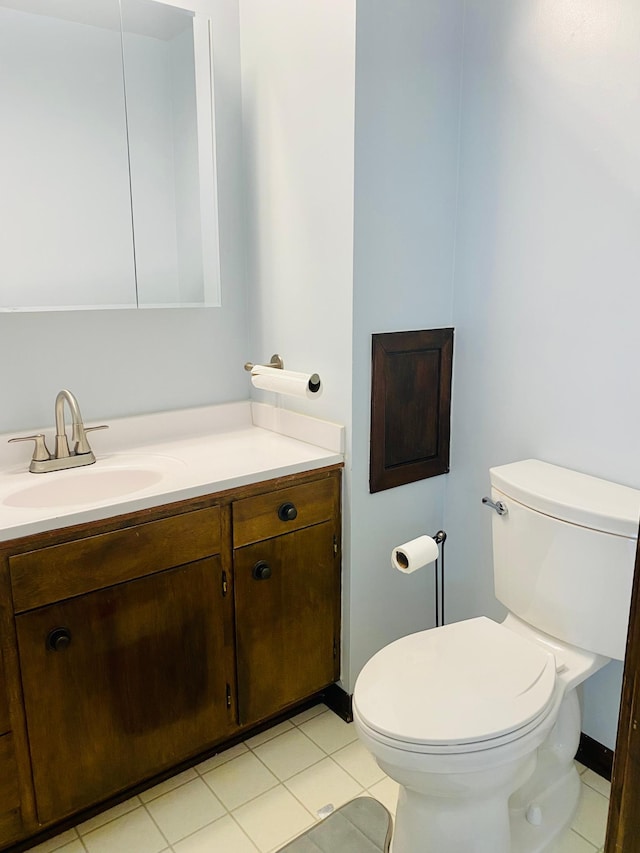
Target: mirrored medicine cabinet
107, 155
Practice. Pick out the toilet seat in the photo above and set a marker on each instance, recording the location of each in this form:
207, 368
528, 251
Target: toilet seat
464, 687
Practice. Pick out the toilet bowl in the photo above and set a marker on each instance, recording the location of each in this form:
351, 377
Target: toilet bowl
463, 740
478, 721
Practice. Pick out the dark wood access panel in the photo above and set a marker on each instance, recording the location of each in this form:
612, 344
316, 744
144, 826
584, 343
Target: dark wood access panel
410, 406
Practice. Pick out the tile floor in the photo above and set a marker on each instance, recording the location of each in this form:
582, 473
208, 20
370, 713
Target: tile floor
256, 796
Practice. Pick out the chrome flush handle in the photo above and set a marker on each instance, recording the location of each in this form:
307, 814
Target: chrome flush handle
499, 507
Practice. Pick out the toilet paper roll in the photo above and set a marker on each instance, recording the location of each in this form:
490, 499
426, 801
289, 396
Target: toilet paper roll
286, 381
414, 555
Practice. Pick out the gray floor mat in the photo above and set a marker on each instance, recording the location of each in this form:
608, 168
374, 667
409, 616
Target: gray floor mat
361, 826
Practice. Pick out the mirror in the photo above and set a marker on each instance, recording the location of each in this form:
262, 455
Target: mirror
107, 152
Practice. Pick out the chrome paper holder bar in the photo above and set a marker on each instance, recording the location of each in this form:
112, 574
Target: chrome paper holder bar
276, 361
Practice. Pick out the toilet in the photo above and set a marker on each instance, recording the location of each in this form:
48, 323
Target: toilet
479, 721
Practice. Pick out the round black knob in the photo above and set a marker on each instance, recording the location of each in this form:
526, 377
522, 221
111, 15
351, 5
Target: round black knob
58, 639
261, 571
287, 512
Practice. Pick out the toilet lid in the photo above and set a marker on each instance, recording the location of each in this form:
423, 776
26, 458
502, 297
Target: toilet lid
465, 682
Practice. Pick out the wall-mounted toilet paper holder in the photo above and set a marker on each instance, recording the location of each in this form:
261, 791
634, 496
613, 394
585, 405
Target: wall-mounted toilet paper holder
439, 538
276, 361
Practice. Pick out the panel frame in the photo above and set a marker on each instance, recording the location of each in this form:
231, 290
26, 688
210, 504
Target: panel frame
430, 388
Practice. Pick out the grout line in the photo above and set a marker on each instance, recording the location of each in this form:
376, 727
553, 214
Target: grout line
111, 819
321, 709
201, 773
244, 832
164, 793
584, 838
282, 782
155, 822
590, 843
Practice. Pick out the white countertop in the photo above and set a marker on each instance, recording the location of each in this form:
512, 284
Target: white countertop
163, 458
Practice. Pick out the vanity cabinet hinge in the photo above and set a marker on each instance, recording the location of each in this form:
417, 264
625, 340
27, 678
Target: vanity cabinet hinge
225, 586
228, 695
335, 544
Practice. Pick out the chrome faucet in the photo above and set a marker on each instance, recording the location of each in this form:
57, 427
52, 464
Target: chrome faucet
43, 461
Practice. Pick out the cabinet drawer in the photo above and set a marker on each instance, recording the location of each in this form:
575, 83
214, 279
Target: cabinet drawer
73, 568
264, 516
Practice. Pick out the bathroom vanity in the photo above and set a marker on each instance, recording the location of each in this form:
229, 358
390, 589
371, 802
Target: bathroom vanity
140, 639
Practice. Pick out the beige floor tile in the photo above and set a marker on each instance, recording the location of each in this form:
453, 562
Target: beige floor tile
598, 783
133, 831
109, 815
386, 792
221, 758
571, 842
309, 714
322, 784
273, 818
65, 838
359, 763
189, 808
268, 734
185, 809
329, 731
73, 846
591, 819
168, 785
289, 753
240, 780
223, 836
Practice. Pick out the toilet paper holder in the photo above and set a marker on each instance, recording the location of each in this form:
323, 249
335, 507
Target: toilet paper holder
439, 538
276, 361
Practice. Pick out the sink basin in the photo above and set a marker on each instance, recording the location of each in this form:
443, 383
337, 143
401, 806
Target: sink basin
90, 485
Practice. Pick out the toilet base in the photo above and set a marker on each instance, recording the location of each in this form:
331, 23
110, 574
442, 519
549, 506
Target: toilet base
459, 813
557, 807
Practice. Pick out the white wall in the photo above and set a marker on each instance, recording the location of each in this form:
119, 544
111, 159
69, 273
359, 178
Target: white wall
298, 95
298, 73
407, 114
127, 362
546, 289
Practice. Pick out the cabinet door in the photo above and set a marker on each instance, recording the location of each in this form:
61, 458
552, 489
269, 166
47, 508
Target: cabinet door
287, 619
10, 818
137, 683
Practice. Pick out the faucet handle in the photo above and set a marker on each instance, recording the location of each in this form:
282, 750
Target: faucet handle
40, 451
80, 437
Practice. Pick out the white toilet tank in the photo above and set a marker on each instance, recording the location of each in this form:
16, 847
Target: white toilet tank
564, 553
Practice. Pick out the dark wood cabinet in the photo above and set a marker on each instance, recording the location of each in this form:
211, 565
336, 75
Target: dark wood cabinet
287, 577
124, 682
136, 644
287, 622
